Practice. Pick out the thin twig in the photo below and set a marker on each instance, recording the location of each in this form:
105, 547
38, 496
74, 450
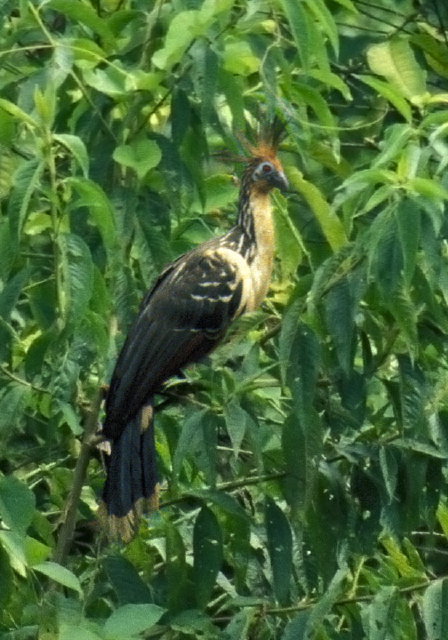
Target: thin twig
65, 536
308, 604
21, 381
227, 486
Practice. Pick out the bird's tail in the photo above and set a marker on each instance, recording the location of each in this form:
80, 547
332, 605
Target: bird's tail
131, 482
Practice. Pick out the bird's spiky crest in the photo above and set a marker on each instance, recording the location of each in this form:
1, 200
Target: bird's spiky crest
268, 140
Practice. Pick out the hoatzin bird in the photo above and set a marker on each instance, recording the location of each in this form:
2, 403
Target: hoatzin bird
182, 318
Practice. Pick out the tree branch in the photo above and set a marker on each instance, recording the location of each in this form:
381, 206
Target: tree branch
65, 536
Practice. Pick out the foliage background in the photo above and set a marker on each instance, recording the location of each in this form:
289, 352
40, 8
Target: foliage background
305, 464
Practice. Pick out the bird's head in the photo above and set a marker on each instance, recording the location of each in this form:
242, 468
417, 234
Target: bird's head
264, 169
266, 174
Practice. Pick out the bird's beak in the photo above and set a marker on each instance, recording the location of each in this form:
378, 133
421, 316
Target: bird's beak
279, 180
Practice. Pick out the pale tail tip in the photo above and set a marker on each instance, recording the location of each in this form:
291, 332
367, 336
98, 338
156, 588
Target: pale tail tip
124, 529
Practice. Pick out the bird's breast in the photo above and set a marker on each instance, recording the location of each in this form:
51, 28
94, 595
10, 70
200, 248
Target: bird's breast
261, 264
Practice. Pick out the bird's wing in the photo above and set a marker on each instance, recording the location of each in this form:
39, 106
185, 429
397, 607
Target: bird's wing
181, 319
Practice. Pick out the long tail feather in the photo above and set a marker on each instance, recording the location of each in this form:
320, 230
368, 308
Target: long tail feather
131, 484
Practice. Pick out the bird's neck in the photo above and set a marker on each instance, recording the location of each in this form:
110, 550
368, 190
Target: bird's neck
255, 218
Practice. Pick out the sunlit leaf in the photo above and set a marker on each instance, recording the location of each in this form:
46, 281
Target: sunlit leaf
395, 61
329, 222
298, 22
77, 148
59, 574
390, 93
93, 197
141, 155
131, 620
24, 181
84, 13
324, 16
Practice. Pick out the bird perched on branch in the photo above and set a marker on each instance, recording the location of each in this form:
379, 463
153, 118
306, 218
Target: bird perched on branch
181, 319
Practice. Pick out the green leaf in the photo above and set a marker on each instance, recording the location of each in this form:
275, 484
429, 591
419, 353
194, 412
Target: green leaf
428, 188
298, 22
141, 155
77, 148
198, 441
16, 112
236, 421
380, 614
126, 582
111, 81
224, 501
11, 293
347, 4
340, 310
232, 87
207, 555
59, 574
180, 116
435, 52
413, 397
386, 254
296, 481
332, 80
280, 550
61, 64
394, 59
81, 631
17, 504
13, 400
77, 269
139, 80
299, 357
183, 29
317, 103
193, 624
324, 16
408, 219
93, 197
83, 13
25, 181
14, 545
6, 583
178, 588
330, 224
296, 628
131, 620
45, 104
208, 66
239, 59
289, 246
435, 610
35, 551
389, 469
319, 611
395, 140
389, 93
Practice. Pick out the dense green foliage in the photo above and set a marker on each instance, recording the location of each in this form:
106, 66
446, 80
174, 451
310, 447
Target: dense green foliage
305, 463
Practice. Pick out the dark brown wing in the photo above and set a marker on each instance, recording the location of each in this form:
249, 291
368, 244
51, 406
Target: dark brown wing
181, 319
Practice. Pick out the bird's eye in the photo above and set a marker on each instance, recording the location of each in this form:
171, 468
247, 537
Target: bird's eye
263, 170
